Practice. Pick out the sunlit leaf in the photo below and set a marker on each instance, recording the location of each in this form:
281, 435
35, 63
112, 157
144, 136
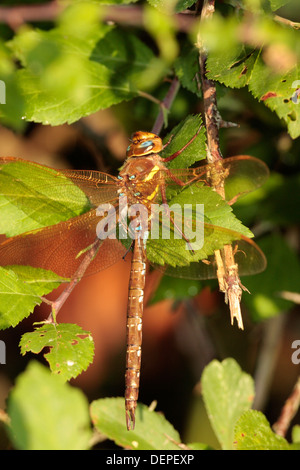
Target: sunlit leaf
227, 393
253, 432
33, 196
21, 290
67, 75
47, 414
71, 348
152, 431
187, 69
180, 136
216, 212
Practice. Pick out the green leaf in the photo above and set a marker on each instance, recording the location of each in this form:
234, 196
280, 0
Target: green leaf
20, 291
40, 280
34, 196
296, 433
171, 6
98, 89
277, 93
253, 432
47, 414
198, 446
129, 61
282, 274
71, 348
11, 101
106, 2
216, 212
69, 73
17, 300
152, 431
187, 69
276, 4
235, 64
181, 135
227, 393
233, 67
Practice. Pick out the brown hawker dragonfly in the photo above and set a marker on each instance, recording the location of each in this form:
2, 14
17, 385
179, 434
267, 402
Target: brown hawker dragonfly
143, 181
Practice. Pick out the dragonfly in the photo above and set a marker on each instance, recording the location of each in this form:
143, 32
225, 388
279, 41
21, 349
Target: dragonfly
144, 180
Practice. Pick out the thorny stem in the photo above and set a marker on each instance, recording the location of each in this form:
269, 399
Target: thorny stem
227, 271
288, 412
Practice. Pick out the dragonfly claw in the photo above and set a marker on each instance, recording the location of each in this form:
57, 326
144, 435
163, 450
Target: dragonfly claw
130, 419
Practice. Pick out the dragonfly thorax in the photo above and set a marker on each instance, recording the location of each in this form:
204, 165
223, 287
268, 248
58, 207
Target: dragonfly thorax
144, 143
140, 179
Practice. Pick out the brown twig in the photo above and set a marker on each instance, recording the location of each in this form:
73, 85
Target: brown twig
292, 24
227, 272
288, 412
127, 15
292, 296
17, 15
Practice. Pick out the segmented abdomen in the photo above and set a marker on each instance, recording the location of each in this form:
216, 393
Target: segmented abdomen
134, 331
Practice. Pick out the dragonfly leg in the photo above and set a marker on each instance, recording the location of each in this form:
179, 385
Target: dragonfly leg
128, 250
167, 209
171, 157
166, 145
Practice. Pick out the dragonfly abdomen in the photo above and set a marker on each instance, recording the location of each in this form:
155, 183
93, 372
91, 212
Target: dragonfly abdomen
134, 331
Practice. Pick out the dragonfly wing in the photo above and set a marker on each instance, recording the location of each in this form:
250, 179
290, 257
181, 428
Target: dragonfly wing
53, 184
99, 187
241, 174
247, 255
61, 248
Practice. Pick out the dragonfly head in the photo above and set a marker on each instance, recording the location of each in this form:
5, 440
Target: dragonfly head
143, 143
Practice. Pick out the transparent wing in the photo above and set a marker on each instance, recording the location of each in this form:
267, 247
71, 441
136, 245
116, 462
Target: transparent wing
241, 175
62, 247
249, 257
56, 184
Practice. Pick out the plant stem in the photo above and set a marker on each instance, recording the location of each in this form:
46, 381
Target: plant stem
166, 105
289, 410
129, 15
17, 15
227, 272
